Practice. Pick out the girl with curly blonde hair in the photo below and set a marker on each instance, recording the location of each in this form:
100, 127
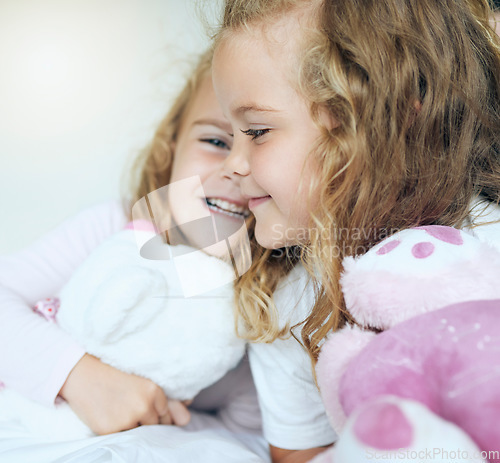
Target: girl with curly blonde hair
352, 119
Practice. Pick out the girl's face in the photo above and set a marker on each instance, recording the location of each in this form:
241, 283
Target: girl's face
201, 194
273, 131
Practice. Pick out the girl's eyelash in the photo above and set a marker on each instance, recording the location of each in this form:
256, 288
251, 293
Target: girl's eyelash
255, 133
217, 142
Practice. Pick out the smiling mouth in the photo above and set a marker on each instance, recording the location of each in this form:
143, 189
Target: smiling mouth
225, 207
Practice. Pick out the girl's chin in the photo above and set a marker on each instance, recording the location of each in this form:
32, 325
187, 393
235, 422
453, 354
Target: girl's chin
278, 236
266, 240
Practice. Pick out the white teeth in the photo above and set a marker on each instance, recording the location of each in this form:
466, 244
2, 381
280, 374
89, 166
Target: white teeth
226, 206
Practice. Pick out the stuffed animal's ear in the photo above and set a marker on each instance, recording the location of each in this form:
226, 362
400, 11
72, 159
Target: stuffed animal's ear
337, 352
418, 270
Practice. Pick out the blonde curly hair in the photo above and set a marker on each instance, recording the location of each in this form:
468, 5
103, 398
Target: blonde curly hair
415, 88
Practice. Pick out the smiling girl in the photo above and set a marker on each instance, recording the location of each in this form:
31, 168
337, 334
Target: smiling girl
352, 119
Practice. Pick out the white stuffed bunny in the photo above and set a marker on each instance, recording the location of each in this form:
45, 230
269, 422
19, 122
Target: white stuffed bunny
170, 321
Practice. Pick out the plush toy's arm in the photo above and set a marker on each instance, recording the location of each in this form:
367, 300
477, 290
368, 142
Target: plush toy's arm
336, 354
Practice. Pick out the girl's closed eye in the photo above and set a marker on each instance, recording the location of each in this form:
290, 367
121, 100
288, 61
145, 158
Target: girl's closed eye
255, 133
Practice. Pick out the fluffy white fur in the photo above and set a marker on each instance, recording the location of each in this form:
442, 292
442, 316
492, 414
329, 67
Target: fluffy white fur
132, 313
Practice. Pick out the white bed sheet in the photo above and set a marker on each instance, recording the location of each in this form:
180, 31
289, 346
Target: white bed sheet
204, 440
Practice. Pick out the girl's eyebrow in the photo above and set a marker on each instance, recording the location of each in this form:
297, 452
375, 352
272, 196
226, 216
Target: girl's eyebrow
223, 125
253, 108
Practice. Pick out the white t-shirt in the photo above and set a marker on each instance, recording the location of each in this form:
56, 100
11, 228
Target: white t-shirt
293, 413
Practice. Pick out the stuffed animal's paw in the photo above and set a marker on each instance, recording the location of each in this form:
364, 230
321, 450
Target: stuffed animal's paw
394, 429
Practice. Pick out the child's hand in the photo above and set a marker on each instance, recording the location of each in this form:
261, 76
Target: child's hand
109, 400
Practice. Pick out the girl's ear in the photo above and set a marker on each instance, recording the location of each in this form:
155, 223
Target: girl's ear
327, 119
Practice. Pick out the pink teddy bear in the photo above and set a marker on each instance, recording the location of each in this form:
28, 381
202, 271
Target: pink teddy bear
435, 293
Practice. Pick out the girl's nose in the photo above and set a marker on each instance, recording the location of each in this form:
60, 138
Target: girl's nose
236, 164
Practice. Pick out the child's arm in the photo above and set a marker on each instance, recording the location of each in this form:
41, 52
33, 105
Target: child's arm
294, 456
109, 400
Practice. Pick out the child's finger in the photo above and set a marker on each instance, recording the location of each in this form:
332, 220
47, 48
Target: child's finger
151, 417
179, 412
160, 403
166, 418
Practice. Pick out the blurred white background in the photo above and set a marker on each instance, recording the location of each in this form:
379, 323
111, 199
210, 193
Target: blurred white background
83, 84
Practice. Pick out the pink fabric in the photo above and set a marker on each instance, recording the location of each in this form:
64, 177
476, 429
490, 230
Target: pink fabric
422, 250
446, 234
37, 356
383, 426
48, 308
331, 366
446, 360
387, 248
